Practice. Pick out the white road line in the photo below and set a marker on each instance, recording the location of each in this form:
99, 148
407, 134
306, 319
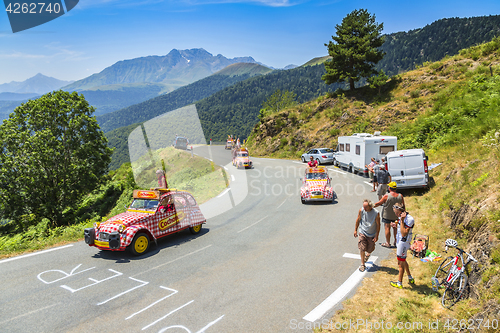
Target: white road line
225, 168
251, 225
35, 253
341, 291
29, 313
210, 324
154, 303
297, 162
168, 314
334, 170
281, 204
223, 192
178, 258
232, 178
368, 183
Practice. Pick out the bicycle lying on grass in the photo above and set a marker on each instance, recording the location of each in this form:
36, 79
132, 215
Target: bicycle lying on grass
451, 275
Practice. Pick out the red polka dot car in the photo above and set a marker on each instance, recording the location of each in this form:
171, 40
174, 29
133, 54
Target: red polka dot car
152, 215
317, 186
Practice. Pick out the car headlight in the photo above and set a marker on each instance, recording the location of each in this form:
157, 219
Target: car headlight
97, 225
121, 228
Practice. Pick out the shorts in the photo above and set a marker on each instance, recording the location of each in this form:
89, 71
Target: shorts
366, 243
374, 178
387, 221
401, 249
382, 189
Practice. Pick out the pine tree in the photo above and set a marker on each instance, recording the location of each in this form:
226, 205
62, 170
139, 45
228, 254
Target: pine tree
354, 50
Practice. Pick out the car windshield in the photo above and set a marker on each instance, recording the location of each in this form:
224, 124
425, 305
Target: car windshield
144, 204
316, 175
243, 155
327, 150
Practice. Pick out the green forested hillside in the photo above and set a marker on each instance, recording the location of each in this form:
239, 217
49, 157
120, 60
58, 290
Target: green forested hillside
405, 50
235, 109
178, 98
106, 99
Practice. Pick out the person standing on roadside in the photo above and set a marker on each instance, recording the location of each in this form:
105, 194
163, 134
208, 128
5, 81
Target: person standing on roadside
383, 178
388, 216
371, 171
368, 223
405, 225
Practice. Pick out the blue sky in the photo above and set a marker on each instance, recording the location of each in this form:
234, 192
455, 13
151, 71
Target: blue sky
98, 33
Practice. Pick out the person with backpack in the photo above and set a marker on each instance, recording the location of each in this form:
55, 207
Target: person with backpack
405, 224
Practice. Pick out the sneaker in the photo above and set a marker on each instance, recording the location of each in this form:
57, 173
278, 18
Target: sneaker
397, 285
411, 280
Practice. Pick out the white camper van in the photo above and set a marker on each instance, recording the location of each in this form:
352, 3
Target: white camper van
408, 168
356, 151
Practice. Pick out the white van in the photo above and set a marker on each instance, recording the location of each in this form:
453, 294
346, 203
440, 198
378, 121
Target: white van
408, 168
355, 151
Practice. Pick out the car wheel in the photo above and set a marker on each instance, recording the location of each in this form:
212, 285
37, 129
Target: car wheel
195, 229
140, 244
303, 159
317, 160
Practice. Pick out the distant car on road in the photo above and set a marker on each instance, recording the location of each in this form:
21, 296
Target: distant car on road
322, 155
180, 142
145, 221
317, 186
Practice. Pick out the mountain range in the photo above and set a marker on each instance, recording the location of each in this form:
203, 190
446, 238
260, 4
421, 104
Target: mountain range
176, 69
38, 84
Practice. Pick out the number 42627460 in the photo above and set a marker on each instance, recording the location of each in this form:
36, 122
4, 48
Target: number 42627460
33, 8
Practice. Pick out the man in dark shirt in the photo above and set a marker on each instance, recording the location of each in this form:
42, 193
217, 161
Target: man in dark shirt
383, 178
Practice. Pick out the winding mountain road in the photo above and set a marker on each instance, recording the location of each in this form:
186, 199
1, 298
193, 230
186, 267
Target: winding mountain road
263, 262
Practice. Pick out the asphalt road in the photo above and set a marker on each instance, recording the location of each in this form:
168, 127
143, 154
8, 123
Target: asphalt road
262, 262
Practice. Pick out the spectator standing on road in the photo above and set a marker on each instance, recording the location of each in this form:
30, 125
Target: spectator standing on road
383, 178
368, 223
405, 225
371, 171
312, 163
388, 216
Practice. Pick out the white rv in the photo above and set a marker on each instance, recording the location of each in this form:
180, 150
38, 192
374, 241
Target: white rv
356, 151
408, 168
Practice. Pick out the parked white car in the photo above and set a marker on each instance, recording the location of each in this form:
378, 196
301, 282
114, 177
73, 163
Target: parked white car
408, 168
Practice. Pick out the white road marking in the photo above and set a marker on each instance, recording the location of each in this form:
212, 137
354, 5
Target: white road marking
297, 162
225, 168
210, 324
168, 314
334, 170
94, 281
341, 291
174, 260
35, 253
223, 192
29, 313
59, 271
368, 183
251, 225
123, 293
154, 303
281, 204
232, 178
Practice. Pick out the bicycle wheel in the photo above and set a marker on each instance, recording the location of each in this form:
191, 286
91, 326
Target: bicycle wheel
454, 292
443, 269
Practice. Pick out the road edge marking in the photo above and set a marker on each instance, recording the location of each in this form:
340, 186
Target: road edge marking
35, 253
339, 294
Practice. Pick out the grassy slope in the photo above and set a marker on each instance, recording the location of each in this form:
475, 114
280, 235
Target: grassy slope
450, 108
